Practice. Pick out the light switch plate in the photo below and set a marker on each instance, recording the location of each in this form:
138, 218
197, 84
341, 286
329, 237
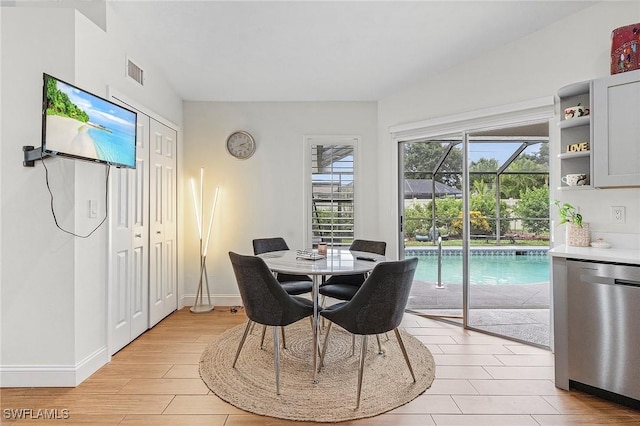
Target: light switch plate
93, 209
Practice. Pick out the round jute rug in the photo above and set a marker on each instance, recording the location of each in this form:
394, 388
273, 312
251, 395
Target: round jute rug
251, 386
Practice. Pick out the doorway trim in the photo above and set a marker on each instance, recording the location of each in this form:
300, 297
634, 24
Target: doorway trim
509, 115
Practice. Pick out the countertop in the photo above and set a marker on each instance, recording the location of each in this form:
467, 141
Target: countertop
618, 255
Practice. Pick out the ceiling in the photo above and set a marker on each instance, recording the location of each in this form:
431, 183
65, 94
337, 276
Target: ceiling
321, 50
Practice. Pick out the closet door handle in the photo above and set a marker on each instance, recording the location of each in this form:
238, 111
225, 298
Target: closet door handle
138, 235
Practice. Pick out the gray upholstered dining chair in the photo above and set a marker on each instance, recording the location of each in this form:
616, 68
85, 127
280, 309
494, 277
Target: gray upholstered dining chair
293, 284
376, 308
266, 302
343, 287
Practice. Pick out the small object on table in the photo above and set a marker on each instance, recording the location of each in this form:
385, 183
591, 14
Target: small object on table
308, 255
369, 259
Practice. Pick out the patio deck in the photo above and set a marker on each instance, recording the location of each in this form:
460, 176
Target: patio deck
517, 311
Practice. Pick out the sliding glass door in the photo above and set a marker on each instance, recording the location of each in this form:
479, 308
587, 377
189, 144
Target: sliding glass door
431, 203
474, 210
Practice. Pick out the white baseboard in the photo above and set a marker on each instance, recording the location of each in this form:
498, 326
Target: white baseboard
22, 376
91, 364
216, 300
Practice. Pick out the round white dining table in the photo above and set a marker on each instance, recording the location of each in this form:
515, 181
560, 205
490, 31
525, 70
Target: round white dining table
335, 262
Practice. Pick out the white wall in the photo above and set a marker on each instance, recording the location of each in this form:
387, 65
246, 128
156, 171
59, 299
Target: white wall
528, 68
53, 286
37, 260
264, 195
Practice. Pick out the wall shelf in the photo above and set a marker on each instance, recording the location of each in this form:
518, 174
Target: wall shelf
577, 130
574, 188
575, 122
578, 154
575, 89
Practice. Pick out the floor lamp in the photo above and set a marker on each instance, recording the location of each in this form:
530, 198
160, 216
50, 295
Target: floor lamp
199, 306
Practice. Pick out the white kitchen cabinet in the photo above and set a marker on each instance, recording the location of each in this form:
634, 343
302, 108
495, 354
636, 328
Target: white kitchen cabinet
616, 130
575, 132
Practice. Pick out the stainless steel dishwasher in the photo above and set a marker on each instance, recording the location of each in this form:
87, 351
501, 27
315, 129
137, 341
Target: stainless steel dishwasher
604, 326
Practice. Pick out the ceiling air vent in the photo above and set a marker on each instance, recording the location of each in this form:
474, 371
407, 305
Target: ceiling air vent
135, 72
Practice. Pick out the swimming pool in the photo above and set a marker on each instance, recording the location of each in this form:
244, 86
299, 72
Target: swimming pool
485, 270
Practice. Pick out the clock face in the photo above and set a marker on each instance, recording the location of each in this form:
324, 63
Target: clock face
241, 145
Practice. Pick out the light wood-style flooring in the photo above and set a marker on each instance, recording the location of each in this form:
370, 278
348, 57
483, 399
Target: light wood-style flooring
480, 380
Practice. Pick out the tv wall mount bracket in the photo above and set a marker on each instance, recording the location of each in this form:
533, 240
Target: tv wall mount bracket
31, 154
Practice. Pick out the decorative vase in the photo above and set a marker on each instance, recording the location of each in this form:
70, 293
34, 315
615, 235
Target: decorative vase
625, 44
578, 236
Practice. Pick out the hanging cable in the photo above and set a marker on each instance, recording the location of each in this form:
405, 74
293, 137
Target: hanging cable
106, 202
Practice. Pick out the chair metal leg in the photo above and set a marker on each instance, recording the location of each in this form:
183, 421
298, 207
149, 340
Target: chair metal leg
244, 337
264, 331
380, 351
353, 344
404, 352
324, 347
284, 340
363, 353
276, 358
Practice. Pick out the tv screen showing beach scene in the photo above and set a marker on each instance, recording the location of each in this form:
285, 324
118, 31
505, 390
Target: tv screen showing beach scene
81, 125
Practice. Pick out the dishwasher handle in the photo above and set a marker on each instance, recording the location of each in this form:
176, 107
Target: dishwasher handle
627, 282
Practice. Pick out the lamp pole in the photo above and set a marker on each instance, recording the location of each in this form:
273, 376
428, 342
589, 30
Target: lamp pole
199, 307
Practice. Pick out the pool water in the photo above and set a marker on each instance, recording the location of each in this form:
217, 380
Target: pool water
486, 270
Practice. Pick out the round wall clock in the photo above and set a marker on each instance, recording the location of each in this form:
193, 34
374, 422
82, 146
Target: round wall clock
241, 145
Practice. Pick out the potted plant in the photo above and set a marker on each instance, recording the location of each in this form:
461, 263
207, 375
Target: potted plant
577, 231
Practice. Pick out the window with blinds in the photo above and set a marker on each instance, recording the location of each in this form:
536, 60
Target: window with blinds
332, 189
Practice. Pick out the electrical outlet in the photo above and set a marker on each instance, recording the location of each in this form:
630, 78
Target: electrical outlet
618, 214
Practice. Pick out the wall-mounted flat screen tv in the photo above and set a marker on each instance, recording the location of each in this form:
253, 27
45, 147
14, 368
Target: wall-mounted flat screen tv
78, 124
